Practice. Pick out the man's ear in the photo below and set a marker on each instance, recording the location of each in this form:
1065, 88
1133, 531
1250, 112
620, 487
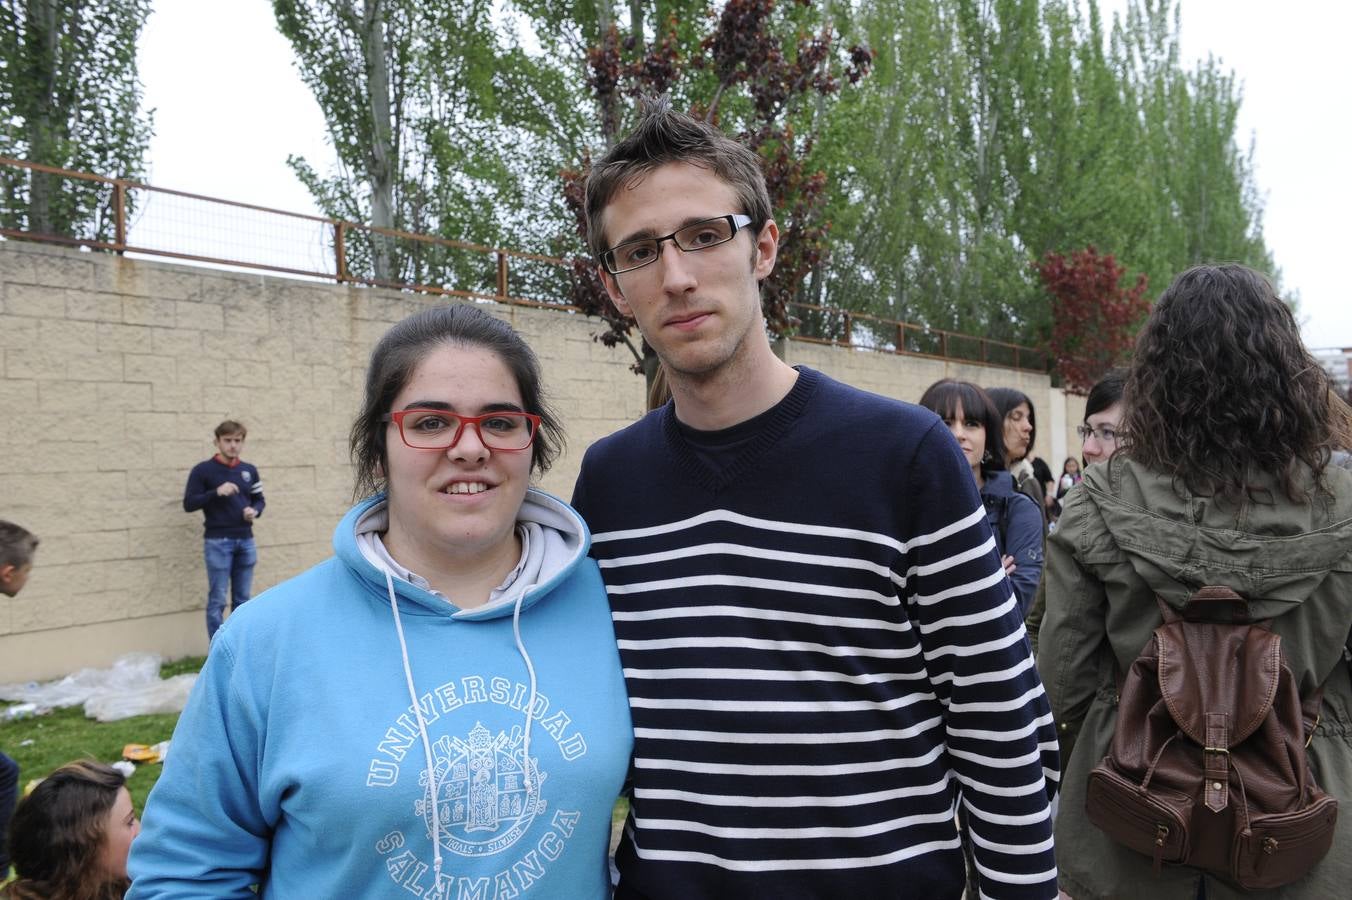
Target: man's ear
7, 573
767, 250
613, 291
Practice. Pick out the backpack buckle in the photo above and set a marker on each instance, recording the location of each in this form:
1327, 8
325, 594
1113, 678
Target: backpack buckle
1216, 762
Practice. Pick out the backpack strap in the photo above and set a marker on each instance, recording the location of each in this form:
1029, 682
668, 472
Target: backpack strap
1216, 758
1213, 603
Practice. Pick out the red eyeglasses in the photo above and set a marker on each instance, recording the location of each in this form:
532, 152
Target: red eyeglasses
437, 429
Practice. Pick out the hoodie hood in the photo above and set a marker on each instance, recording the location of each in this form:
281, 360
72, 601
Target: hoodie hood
1275, 554
554, 538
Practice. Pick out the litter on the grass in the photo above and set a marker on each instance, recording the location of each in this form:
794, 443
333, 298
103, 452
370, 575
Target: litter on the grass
146, 753
22, 711
131, 687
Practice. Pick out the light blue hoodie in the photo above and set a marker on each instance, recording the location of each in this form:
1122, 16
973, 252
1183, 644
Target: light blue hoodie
302, 765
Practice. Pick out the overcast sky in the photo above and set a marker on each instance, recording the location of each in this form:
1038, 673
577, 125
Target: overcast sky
230, 108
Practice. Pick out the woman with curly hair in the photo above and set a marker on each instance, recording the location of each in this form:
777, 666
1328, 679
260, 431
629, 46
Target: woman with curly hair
70, 837
1222, 478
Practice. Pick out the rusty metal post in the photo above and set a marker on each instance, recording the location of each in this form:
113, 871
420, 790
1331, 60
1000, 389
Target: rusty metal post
849, 330
943, 344
120, 216
901, 338
502, 275
340, 251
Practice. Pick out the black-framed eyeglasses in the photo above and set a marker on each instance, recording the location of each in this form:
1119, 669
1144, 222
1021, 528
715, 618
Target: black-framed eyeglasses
1105, 433
437, 429
633, 255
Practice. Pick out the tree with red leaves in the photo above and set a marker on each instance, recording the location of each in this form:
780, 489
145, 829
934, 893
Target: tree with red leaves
741, 72
1094, 318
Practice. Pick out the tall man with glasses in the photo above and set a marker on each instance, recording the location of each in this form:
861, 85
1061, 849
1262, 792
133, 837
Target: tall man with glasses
823, 655
230, 495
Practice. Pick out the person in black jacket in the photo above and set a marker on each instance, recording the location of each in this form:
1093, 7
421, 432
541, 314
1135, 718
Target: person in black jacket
230, 494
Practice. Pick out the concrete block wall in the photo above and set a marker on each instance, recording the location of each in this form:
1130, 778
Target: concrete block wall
113, 374
115, 371
906, 377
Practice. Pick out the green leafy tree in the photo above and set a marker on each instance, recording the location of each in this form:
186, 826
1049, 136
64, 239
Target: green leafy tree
442, 125
988, 134
996, 131
70, 98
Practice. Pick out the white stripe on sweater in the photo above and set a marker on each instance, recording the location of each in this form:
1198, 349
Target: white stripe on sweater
743, 643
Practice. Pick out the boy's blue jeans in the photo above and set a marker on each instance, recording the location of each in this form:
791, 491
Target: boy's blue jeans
230, 561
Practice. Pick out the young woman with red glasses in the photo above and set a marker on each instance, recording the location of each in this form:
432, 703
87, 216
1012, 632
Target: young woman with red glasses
439, 707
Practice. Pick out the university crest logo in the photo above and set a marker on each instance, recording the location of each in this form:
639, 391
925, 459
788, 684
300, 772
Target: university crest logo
486, 802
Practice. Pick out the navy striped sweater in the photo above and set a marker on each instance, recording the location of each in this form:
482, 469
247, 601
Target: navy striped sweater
823, 659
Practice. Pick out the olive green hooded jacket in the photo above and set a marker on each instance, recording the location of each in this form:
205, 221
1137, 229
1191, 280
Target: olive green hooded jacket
1126, 534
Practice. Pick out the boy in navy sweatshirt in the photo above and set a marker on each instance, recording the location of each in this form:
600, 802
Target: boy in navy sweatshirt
230, 494
16, 562
823, 654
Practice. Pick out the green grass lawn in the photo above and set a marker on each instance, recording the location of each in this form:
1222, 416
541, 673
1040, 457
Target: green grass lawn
42, 743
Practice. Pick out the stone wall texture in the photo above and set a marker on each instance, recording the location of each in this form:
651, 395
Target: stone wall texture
115, 371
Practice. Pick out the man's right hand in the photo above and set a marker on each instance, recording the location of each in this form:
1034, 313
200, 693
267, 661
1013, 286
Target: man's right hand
227, 489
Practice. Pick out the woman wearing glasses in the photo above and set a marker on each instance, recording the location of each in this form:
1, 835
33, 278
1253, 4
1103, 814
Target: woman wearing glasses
1102, 417
438, 709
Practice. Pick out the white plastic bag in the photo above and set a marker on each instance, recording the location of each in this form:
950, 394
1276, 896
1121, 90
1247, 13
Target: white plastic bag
131, 687
168, 696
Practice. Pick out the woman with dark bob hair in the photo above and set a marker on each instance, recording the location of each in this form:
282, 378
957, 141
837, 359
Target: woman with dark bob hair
71, 834
1222, 478
1014, 518
1019, 433
438, 709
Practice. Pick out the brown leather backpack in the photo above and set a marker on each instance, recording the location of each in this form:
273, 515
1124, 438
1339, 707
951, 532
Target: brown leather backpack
1207, 766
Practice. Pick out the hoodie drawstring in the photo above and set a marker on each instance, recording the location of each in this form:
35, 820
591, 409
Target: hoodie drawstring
422, 724
422, 732
530, 668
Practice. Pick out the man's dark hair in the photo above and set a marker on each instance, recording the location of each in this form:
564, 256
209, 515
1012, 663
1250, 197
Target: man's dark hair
406, 344
1105, 392
663, 136
16, 545
1221, 388
945, 396
230, 426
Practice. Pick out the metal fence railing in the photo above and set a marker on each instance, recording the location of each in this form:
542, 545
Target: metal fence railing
129, 217
841, 327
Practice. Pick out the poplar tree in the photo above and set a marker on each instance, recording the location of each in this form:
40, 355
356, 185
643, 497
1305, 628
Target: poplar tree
437, 119
70, 98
